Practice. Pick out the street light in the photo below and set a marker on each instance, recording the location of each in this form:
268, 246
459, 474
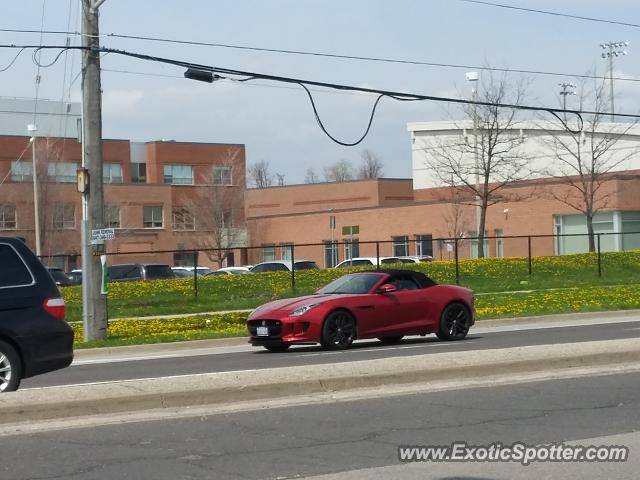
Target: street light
565, 91
473, 78
33, 129
613, 49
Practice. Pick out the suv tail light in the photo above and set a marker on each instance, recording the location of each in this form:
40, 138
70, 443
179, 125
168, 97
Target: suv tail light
54, 307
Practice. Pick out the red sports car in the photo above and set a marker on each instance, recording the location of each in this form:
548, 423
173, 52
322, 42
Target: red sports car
383, 304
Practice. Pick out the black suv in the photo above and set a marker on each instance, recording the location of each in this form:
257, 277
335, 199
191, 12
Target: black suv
128, 272
34, 337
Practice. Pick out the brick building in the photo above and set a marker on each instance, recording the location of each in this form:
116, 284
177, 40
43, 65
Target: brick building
160, 195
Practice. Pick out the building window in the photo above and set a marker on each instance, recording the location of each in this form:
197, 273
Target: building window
138, 173
178, 174
7, 217
64, 217
330, 253
152, 216
268, 253
111, 173
222, 176
112, 216
21, 171
473, 236
224, 218
499, 234
400, 245
351, 248
285, 250
183, 219
424, 245
63, 172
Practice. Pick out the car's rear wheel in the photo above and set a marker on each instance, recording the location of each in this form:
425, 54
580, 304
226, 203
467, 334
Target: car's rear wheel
338, 331
281, 347
391, 339
10, 368
454, 322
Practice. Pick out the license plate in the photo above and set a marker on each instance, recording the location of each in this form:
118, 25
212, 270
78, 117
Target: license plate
262, 331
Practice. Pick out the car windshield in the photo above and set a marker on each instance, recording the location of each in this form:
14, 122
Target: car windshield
159, 271
358, 283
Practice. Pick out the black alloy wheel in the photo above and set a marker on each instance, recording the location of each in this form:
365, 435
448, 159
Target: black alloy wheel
391, 339
338, 331
454, 322
10, 368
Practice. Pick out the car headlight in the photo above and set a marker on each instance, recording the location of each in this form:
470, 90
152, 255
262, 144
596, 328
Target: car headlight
302, 310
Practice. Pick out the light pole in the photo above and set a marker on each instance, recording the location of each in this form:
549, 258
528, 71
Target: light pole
33, 129
567, 89
472, 77
612, 49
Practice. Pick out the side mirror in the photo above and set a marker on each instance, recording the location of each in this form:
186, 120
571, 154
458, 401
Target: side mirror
387, 288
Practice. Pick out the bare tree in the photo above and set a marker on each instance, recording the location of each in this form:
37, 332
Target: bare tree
218, 209
311, 176
583, 160
280, 177
456, 216
487, 157
341, 171
371, 166
260, 175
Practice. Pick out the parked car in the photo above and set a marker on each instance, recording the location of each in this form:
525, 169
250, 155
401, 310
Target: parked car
75, 276
233, 270
182, 272
416, 258
283, 266
368, 261
58, 275
383, 304
127, 272
34, 337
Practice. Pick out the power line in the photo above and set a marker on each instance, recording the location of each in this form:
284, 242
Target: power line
339, 56
555, 14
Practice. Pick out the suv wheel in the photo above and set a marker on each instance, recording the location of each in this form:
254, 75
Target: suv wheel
10, 368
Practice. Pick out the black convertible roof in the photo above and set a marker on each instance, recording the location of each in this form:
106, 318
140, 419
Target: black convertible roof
420, 278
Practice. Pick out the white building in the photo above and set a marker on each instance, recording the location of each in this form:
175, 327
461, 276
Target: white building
52, 118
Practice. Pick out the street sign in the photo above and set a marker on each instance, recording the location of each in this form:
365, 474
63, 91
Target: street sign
101, 234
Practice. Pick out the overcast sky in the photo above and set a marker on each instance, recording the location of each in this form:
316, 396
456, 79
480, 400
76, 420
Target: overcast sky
276, 122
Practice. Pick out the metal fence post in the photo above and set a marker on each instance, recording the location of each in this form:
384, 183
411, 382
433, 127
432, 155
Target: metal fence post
293, 269
457, 262
377, 255
599, 258
529, 255
195, 274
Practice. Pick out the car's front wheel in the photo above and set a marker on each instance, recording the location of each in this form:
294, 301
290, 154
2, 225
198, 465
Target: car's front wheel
454, 322
338, 331
10, 368
281, 347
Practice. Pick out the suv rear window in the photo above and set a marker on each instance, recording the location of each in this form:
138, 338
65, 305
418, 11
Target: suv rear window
118, 272
13, 272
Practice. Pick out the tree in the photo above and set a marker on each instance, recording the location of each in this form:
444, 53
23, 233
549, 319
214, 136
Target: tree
583, 160
280, 177
456, 216
371, 166
311, 176
260, 175
218, 209
482, 165
341, 171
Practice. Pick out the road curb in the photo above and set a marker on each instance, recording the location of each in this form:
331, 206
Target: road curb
227, 387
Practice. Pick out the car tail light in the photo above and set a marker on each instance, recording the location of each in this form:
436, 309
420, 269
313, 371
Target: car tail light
54, 307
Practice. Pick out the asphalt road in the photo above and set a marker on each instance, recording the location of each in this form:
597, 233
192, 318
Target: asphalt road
244, 357
342, 438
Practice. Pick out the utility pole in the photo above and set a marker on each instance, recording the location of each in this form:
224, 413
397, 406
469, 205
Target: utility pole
473, 77
33, 130
564, 92
94, 312
612, 49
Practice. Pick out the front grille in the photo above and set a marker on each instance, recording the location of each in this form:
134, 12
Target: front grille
275, 328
